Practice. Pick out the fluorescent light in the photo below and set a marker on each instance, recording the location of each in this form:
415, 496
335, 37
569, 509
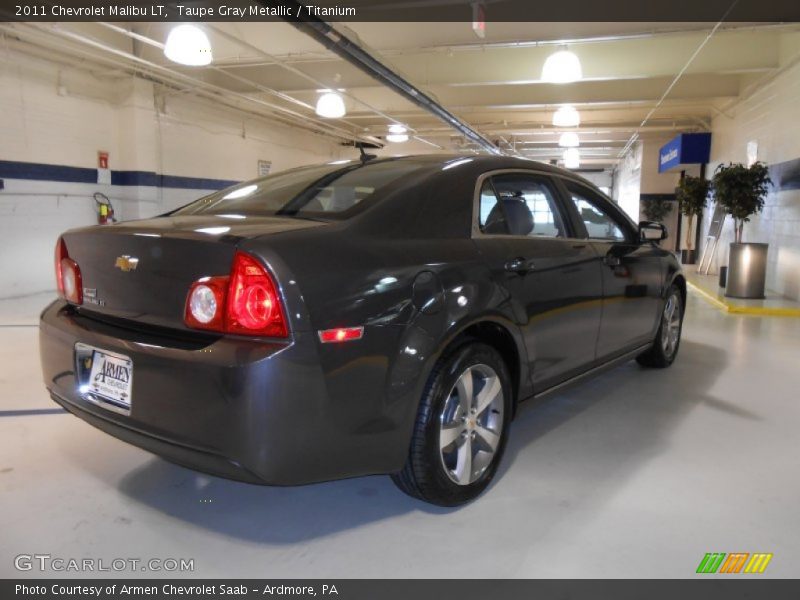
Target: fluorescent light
397, 133
572, 158
330, 105
569, 139
188, 45
240, 192
562, 67
566, 116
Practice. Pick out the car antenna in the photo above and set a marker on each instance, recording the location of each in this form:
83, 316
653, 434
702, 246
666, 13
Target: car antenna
364, 156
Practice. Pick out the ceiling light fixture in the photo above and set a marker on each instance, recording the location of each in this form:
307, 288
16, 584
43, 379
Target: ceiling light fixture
397, 134
566, 116
562, 67
188, 45
330, 105
572, 158
569, 139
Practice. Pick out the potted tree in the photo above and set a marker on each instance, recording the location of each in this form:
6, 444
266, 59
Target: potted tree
741, 191
656, 209
691, 194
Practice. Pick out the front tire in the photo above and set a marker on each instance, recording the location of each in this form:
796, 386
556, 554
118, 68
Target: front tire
668, 337
461, 427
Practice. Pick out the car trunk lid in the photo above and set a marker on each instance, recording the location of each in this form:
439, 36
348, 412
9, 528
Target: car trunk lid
142, 270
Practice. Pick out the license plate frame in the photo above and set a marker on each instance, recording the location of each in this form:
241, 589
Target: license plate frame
105, 378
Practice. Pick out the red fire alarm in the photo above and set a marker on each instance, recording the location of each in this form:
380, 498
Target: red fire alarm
102, 160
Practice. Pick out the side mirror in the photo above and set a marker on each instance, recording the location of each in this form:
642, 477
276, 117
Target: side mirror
650, 231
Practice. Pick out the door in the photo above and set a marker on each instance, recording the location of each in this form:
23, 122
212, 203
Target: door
632, 272
553, 280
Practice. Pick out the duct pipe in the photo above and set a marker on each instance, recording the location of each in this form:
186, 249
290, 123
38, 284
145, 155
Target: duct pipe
350, 51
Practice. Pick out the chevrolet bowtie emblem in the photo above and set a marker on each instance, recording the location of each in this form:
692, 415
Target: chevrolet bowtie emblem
126, 263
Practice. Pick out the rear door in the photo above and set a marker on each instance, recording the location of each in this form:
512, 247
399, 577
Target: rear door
632, 272
553, 280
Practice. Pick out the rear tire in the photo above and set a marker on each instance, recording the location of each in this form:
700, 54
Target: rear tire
461, 427
668, 337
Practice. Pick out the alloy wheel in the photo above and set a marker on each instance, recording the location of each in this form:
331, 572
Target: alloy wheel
471, 424
671, 325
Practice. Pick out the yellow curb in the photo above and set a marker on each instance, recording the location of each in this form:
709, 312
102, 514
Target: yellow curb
736, 309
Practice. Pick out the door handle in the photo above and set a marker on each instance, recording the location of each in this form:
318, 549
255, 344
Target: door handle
612, 261
519, 265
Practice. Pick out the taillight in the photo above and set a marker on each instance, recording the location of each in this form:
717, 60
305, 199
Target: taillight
253, 304
246, 302
68, 275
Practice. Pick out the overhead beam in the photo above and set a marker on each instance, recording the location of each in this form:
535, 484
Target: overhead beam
740, 52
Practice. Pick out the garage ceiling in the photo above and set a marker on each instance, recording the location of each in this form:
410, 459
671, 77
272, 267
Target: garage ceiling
633, 73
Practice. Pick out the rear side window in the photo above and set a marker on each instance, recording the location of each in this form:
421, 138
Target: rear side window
322, 191
520, 204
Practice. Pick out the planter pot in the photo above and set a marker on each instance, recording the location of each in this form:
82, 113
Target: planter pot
747, 270
688, 257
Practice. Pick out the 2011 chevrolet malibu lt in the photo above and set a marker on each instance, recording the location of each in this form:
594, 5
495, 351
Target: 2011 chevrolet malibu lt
374, 317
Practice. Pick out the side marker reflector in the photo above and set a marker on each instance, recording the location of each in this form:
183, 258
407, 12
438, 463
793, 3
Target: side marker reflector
341, 334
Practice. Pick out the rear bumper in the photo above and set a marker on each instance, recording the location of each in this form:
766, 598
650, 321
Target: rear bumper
200, 460
249, 410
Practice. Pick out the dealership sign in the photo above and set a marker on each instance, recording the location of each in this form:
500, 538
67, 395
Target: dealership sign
684, 149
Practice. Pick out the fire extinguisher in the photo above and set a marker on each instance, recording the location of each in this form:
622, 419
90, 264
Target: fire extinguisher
105, 210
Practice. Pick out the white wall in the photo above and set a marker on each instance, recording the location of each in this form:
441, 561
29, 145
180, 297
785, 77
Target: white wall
602, 179
627, 181
653, 182
769, 117
61, 116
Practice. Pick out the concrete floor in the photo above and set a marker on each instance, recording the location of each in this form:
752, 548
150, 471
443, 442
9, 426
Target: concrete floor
635, 474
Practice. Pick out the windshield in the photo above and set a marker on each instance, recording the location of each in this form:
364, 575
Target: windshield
314, 192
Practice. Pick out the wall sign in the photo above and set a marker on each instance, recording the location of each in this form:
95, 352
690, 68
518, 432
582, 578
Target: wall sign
684, 149
264, 167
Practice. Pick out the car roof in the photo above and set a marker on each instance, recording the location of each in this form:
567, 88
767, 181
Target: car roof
487, 162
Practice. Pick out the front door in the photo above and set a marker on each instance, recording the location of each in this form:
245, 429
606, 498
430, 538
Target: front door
632, 274
553, 280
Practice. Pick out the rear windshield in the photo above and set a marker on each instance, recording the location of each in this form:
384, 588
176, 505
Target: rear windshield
327, 191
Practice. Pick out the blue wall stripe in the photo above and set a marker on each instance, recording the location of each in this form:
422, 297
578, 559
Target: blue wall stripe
42, 172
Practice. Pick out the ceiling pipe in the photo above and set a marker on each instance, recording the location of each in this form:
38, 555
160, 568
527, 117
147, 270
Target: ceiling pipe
357, 56
280, 63
697, 51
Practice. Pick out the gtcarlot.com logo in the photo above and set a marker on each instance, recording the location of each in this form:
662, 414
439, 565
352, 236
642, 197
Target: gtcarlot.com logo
47, 562
735, 562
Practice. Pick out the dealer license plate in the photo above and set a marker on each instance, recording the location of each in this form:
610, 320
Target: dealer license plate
110, 379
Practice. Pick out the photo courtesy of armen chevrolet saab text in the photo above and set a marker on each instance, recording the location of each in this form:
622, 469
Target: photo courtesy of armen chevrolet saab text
367, 317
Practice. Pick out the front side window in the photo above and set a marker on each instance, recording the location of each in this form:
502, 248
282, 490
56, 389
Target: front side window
600, 225
520, 204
